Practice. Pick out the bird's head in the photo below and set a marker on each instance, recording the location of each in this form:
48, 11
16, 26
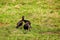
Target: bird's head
22, 17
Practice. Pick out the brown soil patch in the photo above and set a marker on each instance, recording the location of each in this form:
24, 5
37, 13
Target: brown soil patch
3, 24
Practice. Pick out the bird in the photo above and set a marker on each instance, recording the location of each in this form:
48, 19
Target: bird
27, 26
20, 23
26, 20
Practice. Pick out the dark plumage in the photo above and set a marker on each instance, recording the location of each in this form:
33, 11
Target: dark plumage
27, 21
20, 22
27, 26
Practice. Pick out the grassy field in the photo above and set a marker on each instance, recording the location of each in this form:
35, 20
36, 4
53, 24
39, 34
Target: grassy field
43, 14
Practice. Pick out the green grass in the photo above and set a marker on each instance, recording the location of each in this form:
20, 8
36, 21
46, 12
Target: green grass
43, 14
